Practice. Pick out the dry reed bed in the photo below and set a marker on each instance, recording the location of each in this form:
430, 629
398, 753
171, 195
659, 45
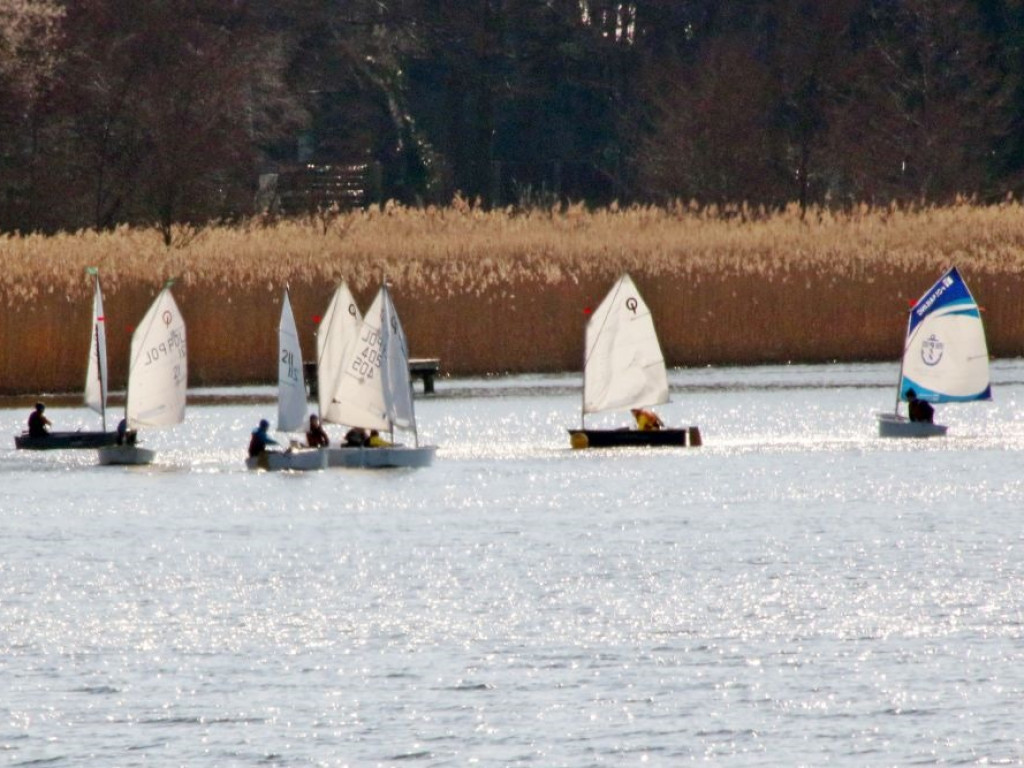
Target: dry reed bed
505, 291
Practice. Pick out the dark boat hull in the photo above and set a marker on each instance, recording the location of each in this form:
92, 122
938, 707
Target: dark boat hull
65, 440
627, 438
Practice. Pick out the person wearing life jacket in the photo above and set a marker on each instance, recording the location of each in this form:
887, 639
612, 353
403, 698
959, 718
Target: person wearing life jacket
647, 421
376, 441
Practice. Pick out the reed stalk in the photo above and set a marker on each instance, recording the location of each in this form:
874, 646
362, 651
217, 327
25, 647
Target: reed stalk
506, 291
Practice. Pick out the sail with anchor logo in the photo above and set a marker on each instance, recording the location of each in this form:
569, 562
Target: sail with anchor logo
945, 357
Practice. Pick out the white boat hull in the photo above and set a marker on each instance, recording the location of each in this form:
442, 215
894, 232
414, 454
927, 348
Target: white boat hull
894, 425
385, 457
296, 460
129, 455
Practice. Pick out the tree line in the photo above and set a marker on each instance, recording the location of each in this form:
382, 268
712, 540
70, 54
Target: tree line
166, 112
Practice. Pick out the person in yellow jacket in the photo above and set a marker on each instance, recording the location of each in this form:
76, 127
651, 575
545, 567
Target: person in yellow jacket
647, 421
376, 441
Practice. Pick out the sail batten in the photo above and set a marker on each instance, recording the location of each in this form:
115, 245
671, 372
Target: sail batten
623, 366
945, 358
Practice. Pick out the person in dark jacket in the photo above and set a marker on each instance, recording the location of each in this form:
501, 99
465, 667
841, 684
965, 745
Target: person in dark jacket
316, 436
918, 409
260, 439
356, 437
38, 424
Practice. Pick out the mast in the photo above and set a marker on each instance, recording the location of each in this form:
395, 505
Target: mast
99, 369
903, 357
583, 389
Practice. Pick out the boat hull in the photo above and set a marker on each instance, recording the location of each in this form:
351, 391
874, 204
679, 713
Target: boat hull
384, 457
65, 441
126, 455
633, 438
295, 460
894, 425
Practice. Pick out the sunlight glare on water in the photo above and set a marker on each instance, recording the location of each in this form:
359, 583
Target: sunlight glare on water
796, 591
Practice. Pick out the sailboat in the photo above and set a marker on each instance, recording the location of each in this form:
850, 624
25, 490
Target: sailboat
623, 368
95, 388
945, 357
157, 379
374, 391
291, 401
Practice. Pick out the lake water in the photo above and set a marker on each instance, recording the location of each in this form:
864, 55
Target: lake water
796, 592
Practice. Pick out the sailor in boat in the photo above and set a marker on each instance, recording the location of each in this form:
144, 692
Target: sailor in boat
376, 441
125, 436
316, 435
647, 421
919, 410
38, 424
357, 437
260, 439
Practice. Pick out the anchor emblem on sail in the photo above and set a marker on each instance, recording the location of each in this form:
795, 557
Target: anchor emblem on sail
931, 350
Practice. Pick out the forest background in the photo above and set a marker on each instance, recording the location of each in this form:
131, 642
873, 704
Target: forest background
836, 154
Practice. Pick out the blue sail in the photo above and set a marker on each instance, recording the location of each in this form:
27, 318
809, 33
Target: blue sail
945, 357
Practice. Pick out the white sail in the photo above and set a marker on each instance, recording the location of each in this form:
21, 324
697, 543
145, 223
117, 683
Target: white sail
623, 367
158, 371
291, 384
395, 369
359, 397
338, 330
945, 357
96, 373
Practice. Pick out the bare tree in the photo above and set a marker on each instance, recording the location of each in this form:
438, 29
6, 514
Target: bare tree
29, 55
922, 111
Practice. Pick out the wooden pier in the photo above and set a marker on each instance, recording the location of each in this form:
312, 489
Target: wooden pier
423, 368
